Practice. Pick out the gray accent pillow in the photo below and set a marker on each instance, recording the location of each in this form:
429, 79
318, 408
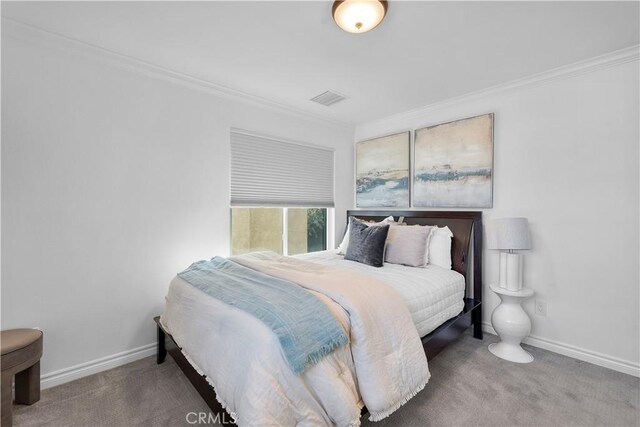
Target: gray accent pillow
342, 249
366, 244
408, 245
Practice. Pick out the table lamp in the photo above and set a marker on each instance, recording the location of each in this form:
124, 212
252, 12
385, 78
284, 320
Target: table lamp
509, 235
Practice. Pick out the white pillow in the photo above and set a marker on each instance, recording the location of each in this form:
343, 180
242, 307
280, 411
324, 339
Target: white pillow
342, 249
408, 245
440, 247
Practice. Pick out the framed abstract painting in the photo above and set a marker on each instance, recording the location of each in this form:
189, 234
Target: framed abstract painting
453, 164
382, 172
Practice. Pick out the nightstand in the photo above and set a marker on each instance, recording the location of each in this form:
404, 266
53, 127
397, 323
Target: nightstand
512, 325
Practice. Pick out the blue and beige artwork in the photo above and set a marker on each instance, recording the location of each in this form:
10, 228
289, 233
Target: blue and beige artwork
382, 172
453, 164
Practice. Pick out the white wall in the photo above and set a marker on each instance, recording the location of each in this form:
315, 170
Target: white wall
566, 157
113, 180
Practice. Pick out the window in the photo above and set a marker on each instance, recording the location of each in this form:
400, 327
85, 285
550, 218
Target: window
293, 185
287, 231
306, 230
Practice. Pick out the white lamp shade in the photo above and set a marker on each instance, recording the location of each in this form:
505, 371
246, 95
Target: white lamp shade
508, 233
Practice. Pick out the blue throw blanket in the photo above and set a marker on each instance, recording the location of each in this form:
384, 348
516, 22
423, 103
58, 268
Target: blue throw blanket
305, 327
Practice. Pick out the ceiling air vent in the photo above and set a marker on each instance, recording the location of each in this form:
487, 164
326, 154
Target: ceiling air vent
328, 98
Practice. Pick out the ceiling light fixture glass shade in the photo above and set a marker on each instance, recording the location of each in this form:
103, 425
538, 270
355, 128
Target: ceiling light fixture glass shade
359, 16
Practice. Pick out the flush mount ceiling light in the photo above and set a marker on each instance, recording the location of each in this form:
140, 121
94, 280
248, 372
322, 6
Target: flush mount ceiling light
359, 16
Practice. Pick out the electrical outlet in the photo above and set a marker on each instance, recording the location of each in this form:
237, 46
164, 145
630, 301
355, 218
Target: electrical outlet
541, 308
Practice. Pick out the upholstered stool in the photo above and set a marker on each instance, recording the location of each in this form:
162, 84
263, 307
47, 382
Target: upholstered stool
21, 353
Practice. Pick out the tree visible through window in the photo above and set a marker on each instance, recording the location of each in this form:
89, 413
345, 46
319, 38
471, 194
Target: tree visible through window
287, 231
316, 230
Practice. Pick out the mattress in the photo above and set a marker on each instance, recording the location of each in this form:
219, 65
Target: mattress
242, 358
433, 294
329, 392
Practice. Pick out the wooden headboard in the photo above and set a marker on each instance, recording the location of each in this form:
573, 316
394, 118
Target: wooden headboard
463, 225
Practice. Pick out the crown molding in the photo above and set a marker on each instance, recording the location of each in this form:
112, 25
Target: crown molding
32, 34
29, 33
612, 59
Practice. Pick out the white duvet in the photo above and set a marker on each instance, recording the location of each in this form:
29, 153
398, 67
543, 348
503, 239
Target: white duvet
383, 366
432, 294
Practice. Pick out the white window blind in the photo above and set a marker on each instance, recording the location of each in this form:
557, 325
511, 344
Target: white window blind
270, 172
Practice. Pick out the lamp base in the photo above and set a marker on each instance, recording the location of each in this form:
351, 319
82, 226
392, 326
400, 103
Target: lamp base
511, 271
512, 353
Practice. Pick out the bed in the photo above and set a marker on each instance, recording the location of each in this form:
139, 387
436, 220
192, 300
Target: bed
456, 298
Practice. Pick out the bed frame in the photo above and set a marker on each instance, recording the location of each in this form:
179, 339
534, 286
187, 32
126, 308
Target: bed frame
466, 259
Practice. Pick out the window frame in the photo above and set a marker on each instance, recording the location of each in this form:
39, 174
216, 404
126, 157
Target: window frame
330, 225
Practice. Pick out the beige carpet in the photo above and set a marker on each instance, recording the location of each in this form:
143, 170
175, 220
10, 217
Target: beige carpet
469, 387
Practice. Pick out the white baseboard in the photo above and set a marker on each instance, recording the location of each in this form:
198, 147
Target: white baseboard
104, 363
599, 359
71, 373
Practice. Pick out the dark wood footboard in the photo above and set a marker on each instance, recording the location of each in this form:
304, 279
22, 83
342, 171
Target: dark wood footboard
166, 344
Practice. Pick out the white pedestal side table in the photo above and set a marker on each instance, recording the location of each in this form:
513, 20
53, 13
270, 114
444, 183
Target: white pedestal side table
512, 325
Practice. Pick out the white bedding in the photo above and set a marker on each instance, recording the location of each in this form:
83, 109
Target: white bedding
222, 341
432, 294
217, 339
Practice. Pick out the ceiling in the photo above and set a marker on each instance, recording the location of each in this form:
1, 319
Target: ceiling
288, 52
